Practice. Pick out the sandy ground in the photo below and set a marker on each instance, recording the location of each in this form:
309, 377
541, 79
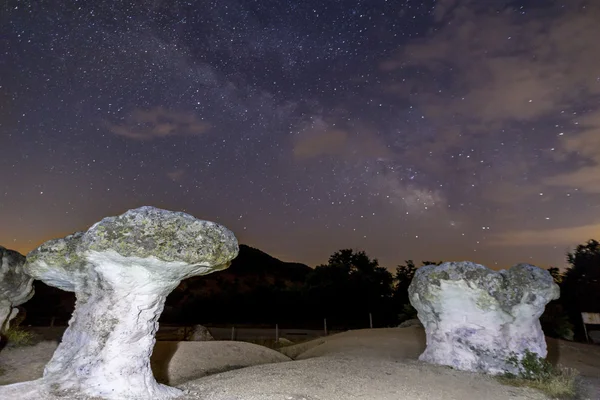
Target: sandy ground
371, 364
173, 363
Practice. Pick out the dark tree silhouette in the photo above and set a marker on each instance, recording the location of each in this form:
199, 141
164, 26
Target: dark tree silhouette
424, 263
349, 287
580, 287
556, 275
555, 321
402, 279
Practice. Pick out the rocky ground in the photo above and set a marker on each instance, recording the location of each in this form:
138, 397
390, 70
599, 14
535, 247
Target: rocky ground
374, 364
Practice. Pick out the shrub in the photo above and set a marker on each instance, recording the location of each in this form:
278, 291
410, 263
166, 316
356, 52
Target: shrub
536, 372
18, 337
408, 312
555, 322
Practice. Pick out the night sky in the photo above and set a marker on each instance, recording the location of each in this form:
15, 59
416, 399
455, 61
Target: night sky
446, 130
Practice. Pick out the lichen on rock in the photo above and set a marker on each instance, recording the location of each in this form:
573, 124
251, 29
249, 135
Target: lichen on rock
146, 232
476, 318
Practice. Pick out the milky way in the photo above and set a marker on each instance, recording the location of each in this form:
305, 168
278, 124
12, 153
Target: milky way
445, 130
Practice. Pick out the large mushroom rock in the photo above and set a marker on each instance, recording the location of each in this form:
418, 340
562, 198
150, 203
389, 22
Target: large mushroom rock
16, 287
475, 319
121, 271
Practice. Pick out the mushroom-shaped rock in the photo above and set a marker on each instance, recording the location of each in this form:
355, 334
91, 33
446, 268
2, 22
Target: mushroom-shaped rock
121, 271
16, 287
475, 319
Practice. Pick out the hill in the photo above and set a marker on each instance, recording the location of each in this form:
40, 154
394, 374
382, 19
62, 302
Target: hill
245, 291
250, 270
254, 261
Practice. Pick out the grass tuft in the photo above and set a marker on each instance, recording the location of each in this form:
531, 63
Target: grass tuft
535, 372
18, 337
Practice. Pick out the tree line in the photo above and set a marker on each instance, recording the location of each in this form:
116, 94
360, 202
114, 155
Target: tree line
353, 285
346, 290
579, 292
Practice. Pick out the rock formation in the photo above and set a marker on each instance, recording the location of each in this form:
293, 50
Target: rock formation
121, 271
410, 323
195, 333
16, 287
476, 318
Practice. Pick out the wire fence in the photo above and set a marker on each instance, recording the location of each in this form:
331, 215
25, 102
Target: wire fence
301, 330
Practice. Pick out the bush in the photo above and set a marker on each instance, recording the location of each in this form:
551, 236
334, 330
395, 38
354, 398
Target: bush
536, 372
18, 337
408, 312
555, 322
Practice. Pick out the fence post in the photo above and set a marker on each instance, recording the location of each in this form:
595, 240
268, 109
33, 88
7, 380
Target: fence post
371, 320
233, 333
587, 339
325, 325
52, 321
276, 333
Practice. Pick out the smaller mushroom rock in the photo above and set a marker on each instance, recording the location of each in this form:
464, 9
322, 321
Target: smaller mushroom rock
195, 333
475, 319
121, 271
16, 287
199, 333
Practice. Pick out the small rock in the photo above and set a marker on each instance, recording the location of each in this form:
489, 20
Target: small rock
195, 333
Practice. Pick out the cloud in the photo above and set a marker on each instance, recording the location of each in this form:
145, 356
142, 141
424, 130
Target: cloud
587, 141
496, 72
322, 137
159, 122
558, 237
318, 139
585, 145
411, 197
364, 160
500, 65
587, 179
176, 175
508, 193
